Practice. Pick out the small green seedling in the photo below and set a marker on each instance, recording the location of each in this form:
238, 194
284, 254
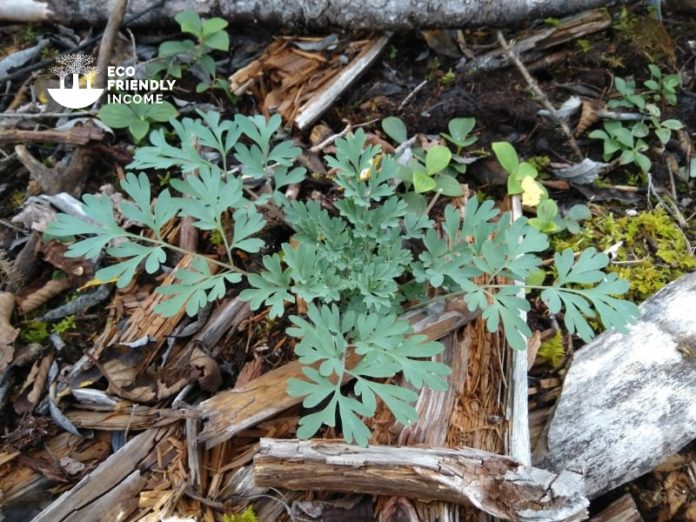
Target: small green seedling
460, 133
210, 36
630, 143
662, 86
136, 117
433, 177
521, 175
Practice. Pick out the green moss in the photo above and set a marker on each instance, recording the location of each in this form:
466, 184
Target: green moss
34, 332
247, 515
16, 199
64, 325
653, 250
584, 46
552, 350
216, 237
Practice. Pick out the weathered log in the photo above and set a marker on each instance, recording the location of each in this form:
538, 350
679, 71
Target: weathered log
628, 400
496, 484
348, 14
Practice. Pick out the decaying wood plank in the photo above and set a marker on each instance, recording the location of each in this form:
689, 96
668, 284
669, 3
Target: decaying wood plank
496, 484
316, 106
621, 510
518, 433
532, 46
433, 424
232, 411
628, 400
102, 480
348, 14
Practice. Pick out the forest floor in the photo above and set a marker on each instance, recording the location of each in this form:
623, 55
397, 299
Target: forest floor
645, 218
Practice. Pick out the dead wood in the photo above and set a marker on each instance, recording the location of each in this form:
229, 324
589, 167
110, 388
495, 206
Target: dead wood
535, 45
349, 14
232, 411
322, 100
73, 136
61, 178
114, 480
627, 401
622, 510
496, 484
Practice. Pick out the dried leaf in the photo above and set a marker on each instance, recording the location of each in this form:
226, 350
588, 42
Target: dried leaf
589, 115
8, 334
43, 295
34, 384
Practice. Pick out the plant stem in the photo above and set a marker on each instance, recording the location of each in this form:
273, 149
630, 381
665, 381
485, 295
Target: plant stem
229, 266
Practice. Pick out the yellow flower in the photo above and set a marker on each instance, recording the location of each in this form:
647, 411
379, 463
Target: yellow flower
531, 192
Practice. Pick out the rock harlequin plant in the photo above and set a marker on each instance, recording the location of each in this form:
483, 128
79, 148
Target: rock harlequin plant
354, 270
354, 266
208, 193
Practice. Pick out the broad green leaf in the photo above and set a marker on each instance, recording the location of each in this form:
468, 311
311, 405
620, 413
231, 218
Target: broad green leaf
422, 182
219, 41
395, 129
138, 129
506, 156
448, 185
174, 48
436, 159
162, 112
116, 115
190, 22
214, 25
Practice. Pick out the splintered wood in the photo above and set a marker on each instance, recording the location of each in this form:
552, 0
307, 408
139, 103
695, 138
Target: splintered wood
300, 84
496, 484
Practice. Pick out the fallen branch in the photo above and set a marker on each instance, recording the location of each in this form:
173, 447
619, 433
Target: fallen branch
534, 86
350, 14
115, 479
627, 401
73, 136
496, 484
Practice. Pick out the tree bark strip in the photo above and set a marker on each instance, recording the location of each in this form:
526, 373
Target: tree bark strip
496, 484
296, 14
628, 400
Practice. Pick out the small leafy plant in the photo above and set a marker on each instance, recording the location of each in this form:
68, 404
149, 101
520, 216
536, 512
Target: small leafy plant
210, 36
434, 170
136, 117
355, 266
209, 196
521, 174
662, 86
630, 143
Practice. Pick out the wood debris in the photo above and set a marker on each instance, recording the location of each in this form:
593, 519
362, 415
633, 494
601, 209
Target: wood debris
300, 85
496, 484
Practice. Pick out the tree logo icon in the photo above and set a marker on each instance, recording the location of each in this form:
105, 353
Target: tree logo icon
74, 66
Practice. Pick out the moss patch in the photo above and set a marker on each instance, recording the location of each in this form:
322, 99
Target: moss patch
653, 250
